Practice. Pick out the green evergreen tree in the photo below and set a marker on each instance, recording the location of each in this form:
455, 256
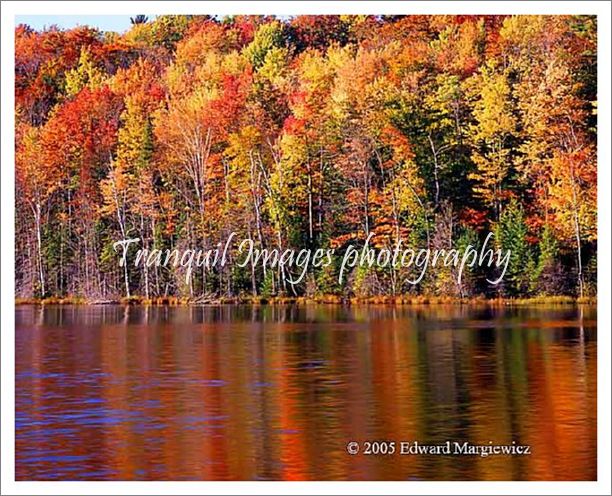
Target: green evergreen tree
511, 234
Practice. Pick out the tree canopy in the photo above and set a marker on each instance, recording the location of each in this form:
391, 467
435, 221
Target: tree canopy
312, 131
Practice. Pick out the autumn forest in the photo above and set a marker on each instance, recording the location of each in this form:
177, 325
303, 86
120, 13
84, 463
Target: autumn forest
309, 131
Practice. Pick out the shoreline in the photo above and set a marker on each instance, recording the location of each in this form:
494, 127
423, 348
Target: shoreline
318, 300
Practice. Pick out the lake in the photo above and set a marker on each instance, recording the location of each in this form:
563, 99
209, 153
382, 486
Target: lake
277, 392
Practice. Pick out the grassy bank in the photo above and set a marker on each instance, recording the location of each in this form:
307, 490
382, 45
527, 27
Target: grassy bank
324, 299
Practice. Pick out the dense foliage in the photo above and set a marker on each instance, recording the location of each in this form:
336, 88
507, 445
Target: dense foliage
315, 132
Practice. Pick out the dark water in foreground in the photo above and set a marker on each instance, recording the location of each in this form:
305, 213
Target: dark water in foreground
115, 392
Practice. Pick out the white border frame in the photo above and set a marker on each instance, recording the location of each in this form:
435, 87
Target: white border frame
10, 9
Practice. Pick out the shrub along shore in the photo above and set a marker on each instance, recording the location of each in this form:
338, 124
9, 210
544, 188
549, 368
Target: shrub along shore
302, 300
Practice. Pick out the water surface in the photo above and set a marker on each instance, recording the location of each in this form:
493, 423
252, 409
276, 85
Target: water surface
276, 393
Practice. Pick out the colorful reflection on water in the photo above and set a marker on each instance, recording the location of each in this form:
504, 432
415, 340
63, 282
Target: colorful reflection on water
243, 393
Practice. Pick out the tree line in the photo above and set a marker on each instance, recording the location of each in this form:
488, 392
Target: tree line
306, 132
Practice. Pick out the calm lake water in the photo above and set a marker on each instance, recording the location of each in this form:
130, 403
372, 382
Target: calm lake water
240, 392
